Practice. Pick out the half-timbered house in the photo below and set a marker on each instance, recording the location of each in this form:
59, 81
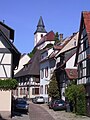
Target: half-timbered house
9, 59
83, 56
29, 78
65, 70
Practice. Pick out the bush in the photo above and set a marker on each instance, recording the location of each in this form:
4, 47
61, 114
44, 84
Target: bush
8, 84
81, 100
76, 93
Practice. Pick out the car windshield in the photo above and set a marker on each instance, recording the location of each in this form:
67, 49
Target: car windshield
59, 102
21, 102
41, 97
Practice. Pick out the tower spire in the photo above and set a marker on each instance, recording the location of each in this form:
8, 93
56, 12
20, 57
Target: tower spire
40, 31
40, 26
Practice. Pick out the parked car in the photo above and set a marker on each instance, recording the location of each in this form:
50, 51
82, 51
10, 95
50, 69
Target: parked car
59, 105
38, 99
21, 105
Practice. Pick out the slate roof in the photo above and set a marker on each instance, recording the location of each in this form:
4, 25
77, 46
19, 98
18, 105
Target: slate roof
12, 49
9, 28
40, 26
71, 73
48, 37
32, 68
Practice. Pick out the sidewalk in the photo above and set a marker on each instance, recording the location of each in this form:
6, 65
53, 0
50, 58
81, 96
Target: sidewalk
63, 115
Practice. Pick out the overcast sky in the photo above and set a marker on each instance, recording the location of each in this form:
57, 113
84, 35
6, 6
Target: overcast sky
62, 16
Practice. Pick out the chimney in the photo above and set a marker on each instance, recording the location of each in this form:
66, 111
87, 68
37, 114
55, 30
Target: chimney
74, 33
61, 37
3, 21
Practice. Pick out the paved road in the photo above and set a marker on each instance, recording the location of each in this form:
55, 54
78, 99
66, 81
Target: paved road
42, 112
39, 113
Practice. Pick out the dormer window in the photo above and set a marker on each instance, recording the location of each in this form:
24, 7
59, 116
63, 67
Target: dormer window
74, 43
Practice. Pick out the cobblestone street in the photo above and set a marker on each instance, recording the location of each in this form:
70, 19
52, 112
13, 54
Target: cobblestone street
39, 113
42, 112
62, 115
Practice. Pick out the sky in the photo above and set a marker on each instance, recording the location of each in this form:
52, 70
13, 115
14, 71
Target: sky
62, 16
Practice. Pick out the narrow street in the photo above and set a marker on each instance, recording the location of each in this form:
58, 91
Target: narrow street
42, 112
39, 113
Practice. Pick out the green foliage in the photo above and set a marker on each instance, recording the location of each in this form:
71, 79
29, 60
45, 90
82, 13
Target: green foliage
70, 92
56, 38
76, 93
81, 100
32, 52
8, 84
53, 90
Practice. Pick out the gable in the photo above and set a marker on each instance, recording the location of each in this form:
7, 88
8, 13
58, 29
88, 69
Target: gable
4, 46
84, 36
70, 62
9, 32
71, 44
8, 47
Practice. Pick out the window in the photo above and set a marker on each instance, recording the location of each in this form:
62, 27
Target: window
46, 72
84, 45
74, 43
41, 35
41, 89
88, 67
46, 88
24, 91
42, 73
20, 91
80, 69
35, 91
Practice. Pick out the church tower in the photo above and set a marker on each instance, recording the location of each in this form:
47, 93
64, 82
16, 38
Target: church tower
40, 31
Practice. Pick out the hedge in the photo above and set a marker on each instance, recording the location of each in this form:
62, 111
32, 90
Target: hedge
8, 84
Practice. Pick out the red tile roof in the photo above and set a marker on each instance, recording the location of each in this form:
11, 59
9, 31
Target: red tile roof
56, 47
86, 17
48, 37
71, 73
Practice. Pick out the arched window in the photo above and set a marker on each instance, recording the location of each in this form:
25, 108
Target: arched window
24, 91
46, 72
20, 91
42, 73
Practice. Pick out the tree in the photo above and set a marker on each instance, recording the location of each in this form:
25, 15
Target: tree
56, 38
53, 90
